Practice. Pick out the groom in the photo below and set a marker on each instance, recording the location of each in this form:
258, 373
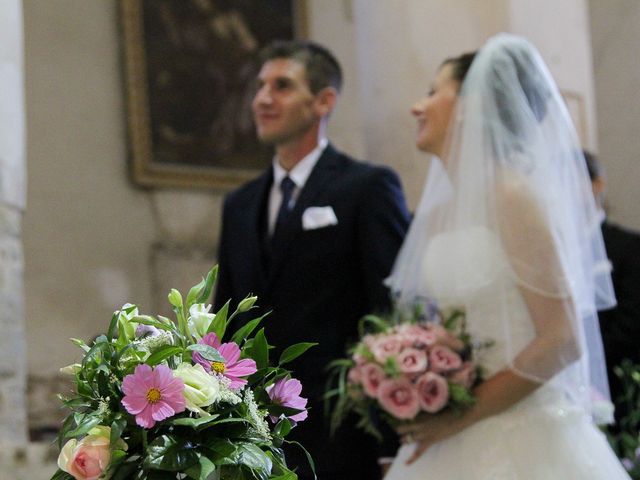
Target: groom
313, 237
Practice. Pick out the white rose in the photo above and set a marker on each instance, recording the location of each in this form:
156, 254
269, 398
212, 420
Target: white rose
200, 388
199, 319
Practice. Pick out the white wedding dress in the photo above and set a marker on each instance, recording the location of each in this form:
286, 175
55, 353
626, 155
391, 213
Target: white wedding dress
542, 437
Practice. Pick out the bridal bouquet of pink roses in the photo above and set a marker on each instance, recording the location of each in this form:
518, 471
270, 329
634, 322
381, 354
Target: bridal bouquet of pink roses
401, 368
184, 399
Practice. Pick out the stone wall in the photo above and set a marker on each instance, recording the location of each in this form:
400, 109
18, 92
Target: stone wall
13, 356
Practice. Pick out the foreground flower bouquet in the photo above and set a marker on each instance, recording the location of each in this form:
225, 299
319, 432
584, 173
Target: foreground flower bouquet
402, 367
158, 399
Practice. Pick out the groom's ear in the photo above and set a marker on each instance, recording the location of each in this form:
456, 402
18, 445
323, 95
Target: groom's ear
325, 101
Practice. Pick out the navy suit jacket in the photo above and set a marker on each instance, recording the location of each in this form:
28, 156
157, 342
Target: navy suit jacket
317, 283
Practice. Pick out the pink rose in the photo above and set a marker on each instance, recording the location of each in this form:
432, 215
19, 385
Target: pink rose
465, 376
359, 358
399, 398
354, 375
433, 392
372, 375
443, 359
368, 340
445, 337
386, 346
417, 336
412, 360
88, 458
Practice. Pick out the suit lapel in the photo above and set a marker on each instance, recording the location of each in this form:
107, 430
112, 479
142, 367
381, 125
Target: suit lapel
324, 171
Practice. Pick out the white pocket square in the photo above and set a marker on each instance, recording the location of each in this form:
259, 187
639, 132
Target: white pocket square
318, 217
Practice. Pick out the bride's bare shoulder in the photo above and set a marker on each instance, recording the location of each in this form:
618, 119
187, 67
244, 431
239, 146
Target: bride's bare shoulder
514, 197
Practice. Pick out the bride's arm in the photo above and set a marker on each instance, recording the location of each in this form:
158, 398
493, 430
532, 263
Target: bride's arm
551, 310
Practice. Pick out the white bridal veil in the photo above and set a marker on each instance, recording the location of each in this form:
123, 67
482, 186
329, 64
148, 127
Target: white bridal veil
513, 166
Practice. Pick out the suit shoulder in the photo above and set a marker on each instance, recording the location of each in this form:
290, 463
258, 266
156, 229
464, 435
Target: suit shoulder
247, 192
364, 171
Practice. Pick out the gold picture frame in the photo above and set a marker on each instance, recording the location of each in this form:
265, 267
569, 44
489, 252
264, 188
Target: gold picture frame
189, 68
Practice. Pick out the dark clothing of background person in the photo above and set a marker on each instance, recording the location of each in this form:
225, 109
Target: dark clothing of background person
620, 326
318, 283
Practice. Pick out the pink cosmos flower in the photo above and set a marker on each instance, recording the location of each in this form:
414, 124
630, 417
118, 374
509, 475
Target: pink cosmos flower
152, 395
372, 375
432, 391
233, 368
412, 360
466, 376
399, 398
286, 392
443, 359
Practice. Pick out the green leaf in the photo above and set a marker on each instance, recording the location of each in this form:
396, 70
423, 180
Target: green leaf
76, 403
170, 453
221, 447
163, 353
277, 410
294, 351
460, 395
377, 324
205, 294
117, 427
60, 475
260, 350
149, 320
207, 352
283, 427
202, 469
247, 329
312, 465
67, 425
285, 476
127, 470
451, 323
197, 423
219, 323
253, 457
84, 423
194, 293
80, 343
112, 330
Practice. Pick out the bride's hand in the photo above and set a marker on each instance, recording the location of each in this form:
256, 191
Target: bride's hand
427, 430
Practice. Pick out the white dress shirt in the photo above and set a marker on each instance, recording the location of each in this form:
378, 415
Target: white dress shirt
298, 174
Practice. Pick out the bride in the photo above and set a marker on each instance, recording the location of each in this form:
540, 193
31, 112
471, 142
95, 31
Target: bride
507, 229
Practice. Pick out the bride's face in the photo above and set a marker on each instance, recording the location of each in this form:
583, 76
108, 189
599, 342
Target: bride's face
434, 111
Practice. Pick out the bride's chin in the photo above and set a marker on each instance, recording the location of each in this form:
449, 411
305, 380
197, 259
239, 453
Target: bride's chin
423, 148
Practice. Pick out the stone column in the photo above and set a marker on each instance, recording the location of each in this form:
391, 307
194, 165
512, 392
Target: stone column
13, 423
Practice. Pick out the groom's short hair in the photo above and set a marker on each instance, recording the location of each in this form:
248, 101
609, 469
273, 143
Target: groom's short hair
322, 68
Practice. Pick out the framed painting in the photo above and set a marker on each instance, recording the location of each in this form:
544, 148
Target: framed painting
190, 69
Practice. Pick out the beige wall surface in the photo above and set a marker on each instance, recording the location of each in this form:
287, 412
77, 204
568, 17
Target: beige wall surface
87, 232
615, 32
